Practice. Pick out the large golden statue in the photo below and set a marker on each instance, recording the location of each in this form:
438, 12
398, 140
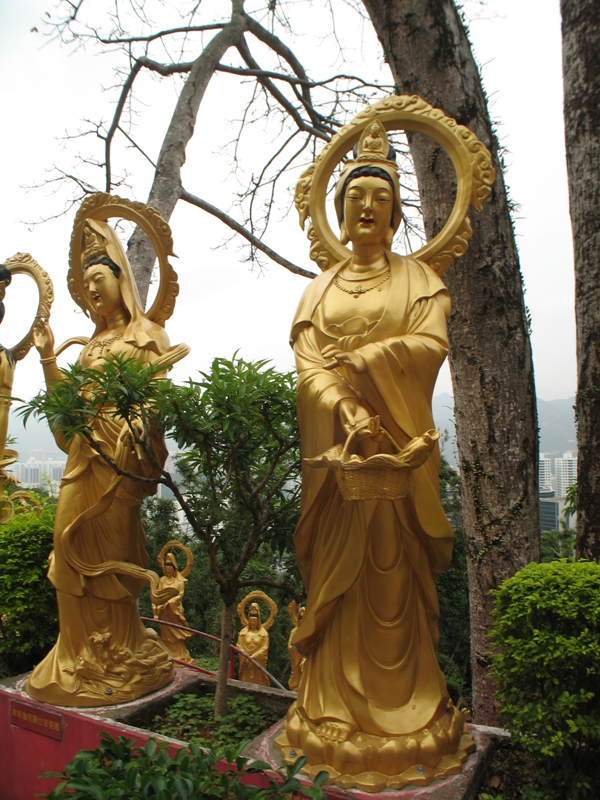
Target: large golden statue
369, 338
172, 610
253, 638
104, 654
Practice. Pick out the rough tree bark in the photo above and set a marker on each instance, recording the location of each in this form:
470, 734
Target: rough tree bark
166, 188
426, 45
581, 72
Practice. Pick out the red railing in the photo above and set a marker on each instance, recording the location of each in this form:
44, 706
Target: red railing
232, 649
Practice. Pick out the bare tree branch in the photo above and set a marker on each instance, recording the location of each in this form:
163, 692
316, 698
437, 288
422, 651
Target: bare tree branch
216, 212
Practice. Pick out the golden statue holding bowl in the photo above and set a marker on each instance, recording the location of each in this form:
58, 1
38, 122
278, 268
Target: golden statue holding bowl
369, 338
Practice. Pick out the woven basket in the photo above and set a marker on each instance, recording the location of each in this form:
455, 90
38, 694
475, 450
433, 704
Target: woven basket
375, 478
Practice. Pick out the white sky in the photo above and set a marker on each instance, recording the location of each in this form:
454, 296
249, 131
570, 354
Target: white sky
47, 89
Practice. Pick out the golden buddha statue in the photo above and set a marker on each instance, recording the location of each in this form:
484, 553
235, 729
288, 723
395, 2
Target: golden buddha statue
296, 659
253, 638
104, 654
172, 611
369, 338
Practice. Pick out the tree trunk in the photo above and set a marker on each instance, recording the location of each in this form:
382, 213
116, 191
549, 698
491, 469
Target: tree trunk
224, 654
166, 187
581, 72
427, 48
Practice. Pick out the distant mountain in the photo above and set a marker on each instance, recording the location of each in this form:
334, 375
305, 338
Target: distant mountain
556, 420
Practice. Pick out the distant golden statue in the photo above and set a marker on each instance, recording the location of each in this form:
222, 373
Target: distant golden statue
253, 638
104, 654
172, 610
296, 659
369, 338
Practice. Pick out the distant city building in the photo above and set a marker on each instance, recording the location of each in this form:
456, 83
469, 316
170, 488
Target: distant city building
550, 510
39, 474
545, 479
566, 473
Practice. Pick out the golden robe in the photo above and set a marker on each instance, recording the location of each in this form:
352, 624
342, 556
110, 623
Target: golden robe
103, 654
370, 627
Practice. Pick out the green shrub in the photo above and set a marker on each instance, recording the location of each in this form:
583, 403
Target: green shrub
191, 718
117, 769
28, 613
546, 662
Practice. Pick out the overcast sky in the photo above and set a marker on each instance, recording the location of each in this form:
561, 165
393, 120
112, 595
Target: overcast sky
223, 306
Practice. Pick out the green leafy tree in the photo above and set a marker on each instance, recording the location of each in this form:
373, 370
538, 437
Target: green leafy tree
28, 613
546, 662
239, 457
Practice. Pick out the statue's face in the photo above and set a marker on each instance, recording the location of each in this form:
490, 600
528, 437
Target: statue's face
103, 289
368, 210
168, 570
253, 621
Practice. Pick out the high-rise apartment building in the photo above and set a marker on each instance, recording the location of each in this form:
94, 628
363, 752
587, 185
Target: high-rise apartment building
545, 479
566, 473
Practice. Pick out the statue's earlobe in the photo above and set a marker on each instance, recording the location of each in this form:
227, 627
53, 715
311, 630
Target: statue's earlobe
344, 238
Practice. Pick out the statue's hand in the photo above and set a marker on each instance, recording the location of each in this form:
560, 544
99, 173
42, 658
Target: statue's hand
339, 358
353, 415
43, 339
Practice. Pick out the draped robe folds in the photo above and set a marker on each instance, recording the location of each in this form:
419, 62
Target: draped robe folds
370, 627
98, 522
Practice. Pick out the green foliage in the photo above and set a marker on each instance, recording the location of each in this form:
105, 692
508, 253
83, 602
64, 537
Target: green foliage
240, 460
28, 614
191, 719
555, 545
546, 662
571, 500
123, 385
454, 651
118, 769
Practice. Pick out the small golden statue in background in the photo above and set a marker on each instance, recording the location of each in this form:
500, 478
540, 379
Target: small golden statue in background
253, 639
104, 654
19, 264
369, 338
296, 659
172, 610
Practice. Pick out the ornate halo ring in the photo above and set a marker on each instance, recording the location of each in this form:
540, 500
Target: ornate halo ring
470, 158
257, 595
189, 556
24, 264
103, 207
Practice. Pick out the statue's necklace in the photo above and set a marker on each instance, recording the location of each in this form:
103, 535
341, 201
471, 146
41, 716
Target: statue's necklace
356, 291
103, 343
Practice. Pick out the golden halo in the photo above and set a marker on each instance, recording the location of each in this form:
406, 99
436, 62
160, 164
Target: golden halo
24, 264
189, 556
103, 207
470, 158
257, 595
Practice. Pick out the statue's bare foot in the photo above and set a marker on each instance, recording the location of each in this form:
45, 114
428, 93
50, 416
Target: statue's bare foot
335, 732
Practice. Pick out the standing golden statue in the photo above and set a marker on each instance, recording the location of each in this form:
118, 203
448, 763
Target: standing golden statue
104, 654
296, 659
253, 638
172, 610
19, 264
369, 338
